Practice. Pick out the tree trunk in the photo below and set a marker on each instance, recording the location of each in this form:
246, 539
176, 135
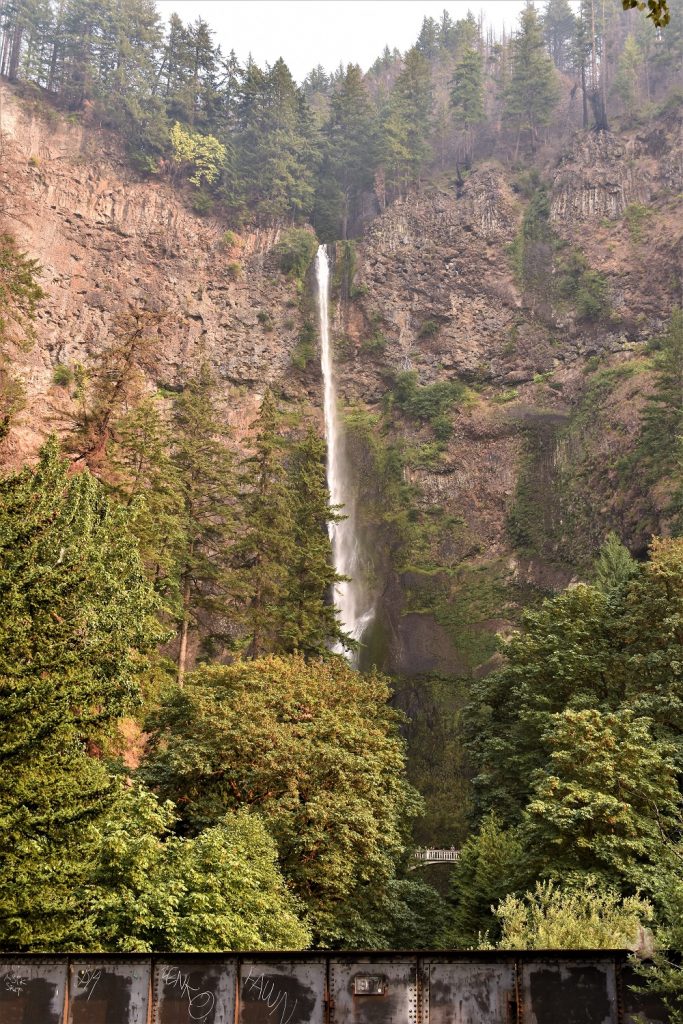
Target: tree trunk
184, 633
584, 96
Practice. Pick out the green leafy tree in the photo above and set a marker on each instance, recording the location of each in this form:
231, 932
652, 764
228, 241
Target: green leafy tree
664, 975
613, 651
313, 749
658, 10
605, 799
203, 155
78, 618
585, 915
150, 890
532, 90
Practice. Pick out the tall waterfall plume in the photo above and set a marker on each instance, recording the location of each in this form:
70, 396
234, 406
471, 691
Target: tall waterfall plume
355, 604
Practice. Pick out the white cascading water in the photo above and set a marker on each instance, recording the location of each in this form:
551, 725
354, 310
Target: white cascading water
356, 609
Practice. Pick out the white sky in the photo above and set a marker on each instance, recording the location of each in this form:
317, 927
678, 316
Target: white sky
311, 32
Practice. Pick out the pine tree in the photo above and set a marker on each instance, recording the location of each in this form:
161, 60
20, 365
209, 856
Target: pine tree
407, 123
349, 156
614, 566
275, 146
532, 89
77, 619
662, 418
559, 26
266, 552
203, 466
629, 75
428, 39
143, 475
467, 94
491, 865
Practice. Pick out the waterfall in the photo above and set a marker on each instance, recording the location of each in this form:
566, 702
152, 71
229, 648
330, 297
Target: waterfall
356, 608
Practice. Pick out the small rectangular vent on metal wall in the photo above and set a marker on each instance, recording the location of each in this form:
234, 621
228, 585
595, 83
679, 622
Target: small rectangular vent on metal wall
370, 985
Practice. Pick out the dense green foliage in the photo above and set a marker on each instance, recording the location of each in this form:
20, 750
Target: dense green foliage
576, 744
77, 621
150, 889
293, 813
313, 749
582, 916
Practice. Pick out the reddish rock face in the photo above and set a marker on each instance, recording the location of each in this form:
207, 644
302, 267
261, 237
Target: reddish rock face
433, 281
107, 241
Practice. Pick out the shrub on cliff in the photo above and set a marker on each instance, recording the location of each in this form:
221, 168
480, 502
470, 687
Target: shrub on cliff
296, 249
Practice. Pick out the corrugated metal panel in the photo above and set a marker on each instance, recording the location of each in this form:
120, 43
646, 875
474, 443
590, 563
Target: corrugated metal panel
108, 992
561, 992
199, 992
32, 992
282, 993
368, 991
470, 993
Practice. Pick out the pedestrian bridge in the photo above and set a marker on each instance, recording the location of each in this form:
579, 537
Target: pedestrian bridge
432, 856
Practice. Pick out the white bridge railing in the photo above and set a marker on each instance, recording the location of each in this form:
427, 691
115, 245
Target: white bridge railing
429, 856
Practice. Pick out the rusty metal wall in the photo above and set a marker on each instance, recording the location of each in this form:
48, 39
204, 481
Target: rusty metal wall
325, 988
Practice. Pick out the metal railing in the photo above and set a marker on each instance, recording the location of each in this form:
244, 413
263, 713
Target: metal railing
429, 856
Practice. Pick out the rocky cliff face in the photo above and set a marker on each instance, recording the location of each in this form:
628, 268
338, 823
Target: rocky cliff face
430, 288
107, 241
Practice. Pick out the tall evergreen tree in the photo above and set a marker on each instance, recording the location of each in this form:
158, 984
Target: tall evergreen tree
662, 418
266, 551
559, 26
467, 94
203, 465
143, 475
275, 146
407, 123
349, 155
77, 619
532, 90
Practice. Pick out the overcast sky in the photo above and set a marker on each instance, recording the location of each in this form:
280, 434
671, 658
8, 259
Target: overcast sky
311, 32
